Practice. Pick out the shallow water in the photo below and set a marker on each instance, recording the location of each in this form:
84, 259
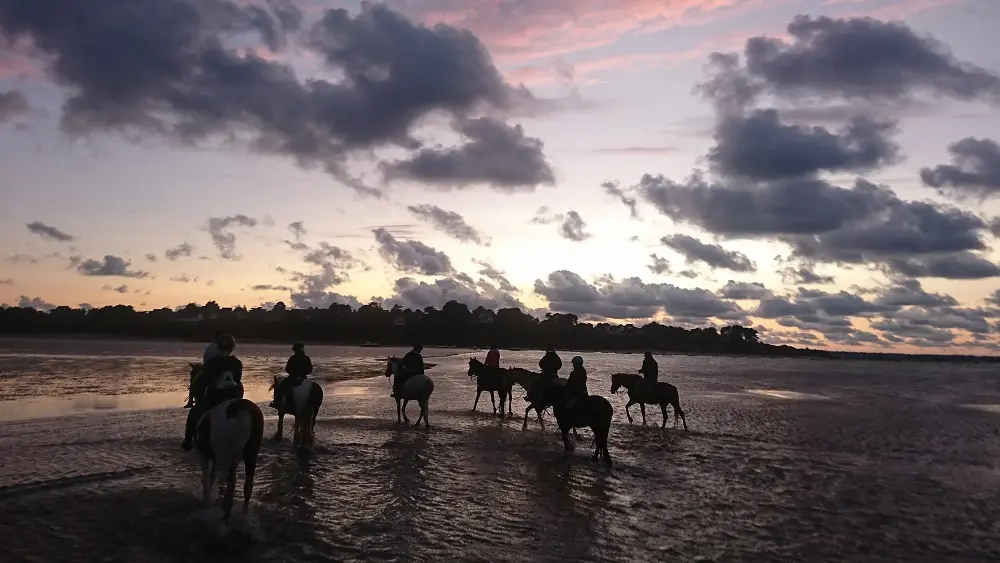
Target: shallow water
786, 460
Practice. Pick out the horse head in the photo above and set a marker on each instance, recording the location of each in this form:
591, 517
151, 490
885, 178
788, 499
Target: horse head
391, 365
276, 381
619, 380
474, 366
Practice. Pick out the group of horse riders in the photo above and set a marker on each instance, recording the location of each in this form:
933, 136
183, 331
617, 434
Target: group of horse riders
221, 379
221, 376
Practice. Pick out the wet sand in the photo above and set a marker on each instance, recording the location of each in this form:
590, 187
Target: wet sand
786, 460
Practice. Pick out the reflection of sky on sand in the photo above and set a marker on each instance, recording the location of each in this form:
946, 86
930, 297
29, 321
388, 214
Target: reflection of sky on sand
783, 394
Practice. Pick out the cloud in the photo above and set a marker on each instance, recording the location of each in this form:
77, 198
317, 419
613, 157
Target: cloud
111, 265
759, 147
495, 275
850, 58
495, 154
6, 281
269, 287
975, 172
36, 303
659, 265
183, 278
119, 289
49, 232
745, 291
22, 259
448, 222
332, 266
182, 250
225, 241
13, 103
714, 255
629, 201
166, 70
631, 298
804, 275
413, 294
573, 227
956, 266
150, 257
412, 255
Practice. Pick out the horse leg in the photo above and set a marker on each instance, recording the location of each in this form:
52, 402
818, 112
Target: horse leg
510, 400
423, 413
405, 419
567, 447
627, 405
663, 413
281, 425
398, 419
493, 400
679, 413
538, 411
207, 474
227, 502
526, 411
478, 393
642, 409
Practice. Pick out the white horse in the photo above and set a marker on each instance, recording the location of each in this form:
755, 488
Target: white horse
307, 397
225, 433
417, 388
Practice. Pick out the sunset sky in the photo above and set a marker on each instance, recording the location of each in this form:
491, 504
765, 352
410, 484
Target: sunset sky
825, 169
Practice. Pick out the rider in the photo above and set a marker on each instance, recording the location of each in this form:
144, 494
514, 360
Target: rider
576, 384
649, 368
413, 364
298, 367
211, 351
550, 364
220, 380
493, 357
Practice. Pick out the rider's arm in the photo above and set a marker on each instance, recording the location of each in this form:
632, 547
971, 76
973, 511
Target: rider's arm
288, 365
237, 370
309, 365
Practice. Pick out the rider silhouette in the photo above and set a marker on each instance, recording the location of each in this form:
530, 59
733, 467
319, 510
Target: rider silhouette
413, 364
576, 384
550, 364
221, 379
298, 367
493, 357
650, 368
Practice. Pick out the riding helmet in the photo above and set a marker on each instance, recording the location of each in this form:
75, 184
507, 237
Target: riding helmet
298, 346
577, 361
227, 342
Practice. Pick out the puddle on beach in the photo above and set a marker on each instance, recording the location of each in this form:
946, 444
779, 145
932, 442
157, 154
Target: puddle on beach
782, 394
983, 407
45, 407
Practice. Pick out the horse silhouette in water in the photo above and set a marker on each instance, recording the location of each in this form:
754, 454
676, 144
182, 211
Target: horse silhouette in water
303, 404
534, 384
417, 388
574, 411
492, 379
648, 393
226, 433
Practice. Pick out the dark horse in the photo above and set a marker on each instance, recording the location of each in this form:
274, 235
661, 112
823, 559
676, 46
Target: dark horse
643, 392
574, 411
535, 385
494, 380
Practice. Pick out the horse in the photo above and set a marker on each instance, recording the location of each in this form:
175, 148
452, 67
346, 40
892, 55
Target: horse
580, 411
492, 379
643, 392
536, 397
306, 399
225, 433
417, 388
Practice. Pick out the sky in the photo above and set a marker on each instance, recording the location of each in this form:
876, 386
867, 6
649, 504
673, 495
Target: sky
825, 170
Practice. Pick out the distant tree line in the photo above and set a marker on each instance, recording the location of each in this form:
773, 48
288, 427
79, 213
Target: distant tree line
454, 324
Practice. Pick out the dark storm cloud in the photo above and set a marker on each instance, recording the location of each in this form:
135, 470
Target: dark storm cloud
331, 267
628, 200
412, 255
182, 250
166, 69
49, 232
13, 103
851, 58
225, 241
413, 294
448, 222
36, 303
973, 174
714, 255
659, 265
760, 147
995, 226
630, 298
496, 154
745, 291
956, 266
574, 227
110, 266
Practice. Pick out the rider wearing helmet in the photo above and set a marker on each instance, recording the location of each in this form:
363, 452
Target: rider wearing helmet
413, 364
298, 367
221, 379
576, 384
649, 368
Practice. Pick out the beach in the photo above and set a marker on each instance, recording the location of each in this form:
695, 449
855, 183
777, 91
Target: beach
785, 460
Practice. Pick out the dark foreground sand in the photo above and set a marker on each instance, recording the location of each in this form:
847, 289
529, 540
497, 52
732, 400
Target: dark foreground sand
787, 460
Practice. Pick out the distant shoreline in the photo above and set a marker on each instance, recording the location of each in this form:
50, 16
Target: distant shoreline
821, 355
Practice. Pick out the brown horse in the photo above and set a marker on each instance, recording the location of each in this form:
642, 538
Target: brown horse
647, 393
494, 380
